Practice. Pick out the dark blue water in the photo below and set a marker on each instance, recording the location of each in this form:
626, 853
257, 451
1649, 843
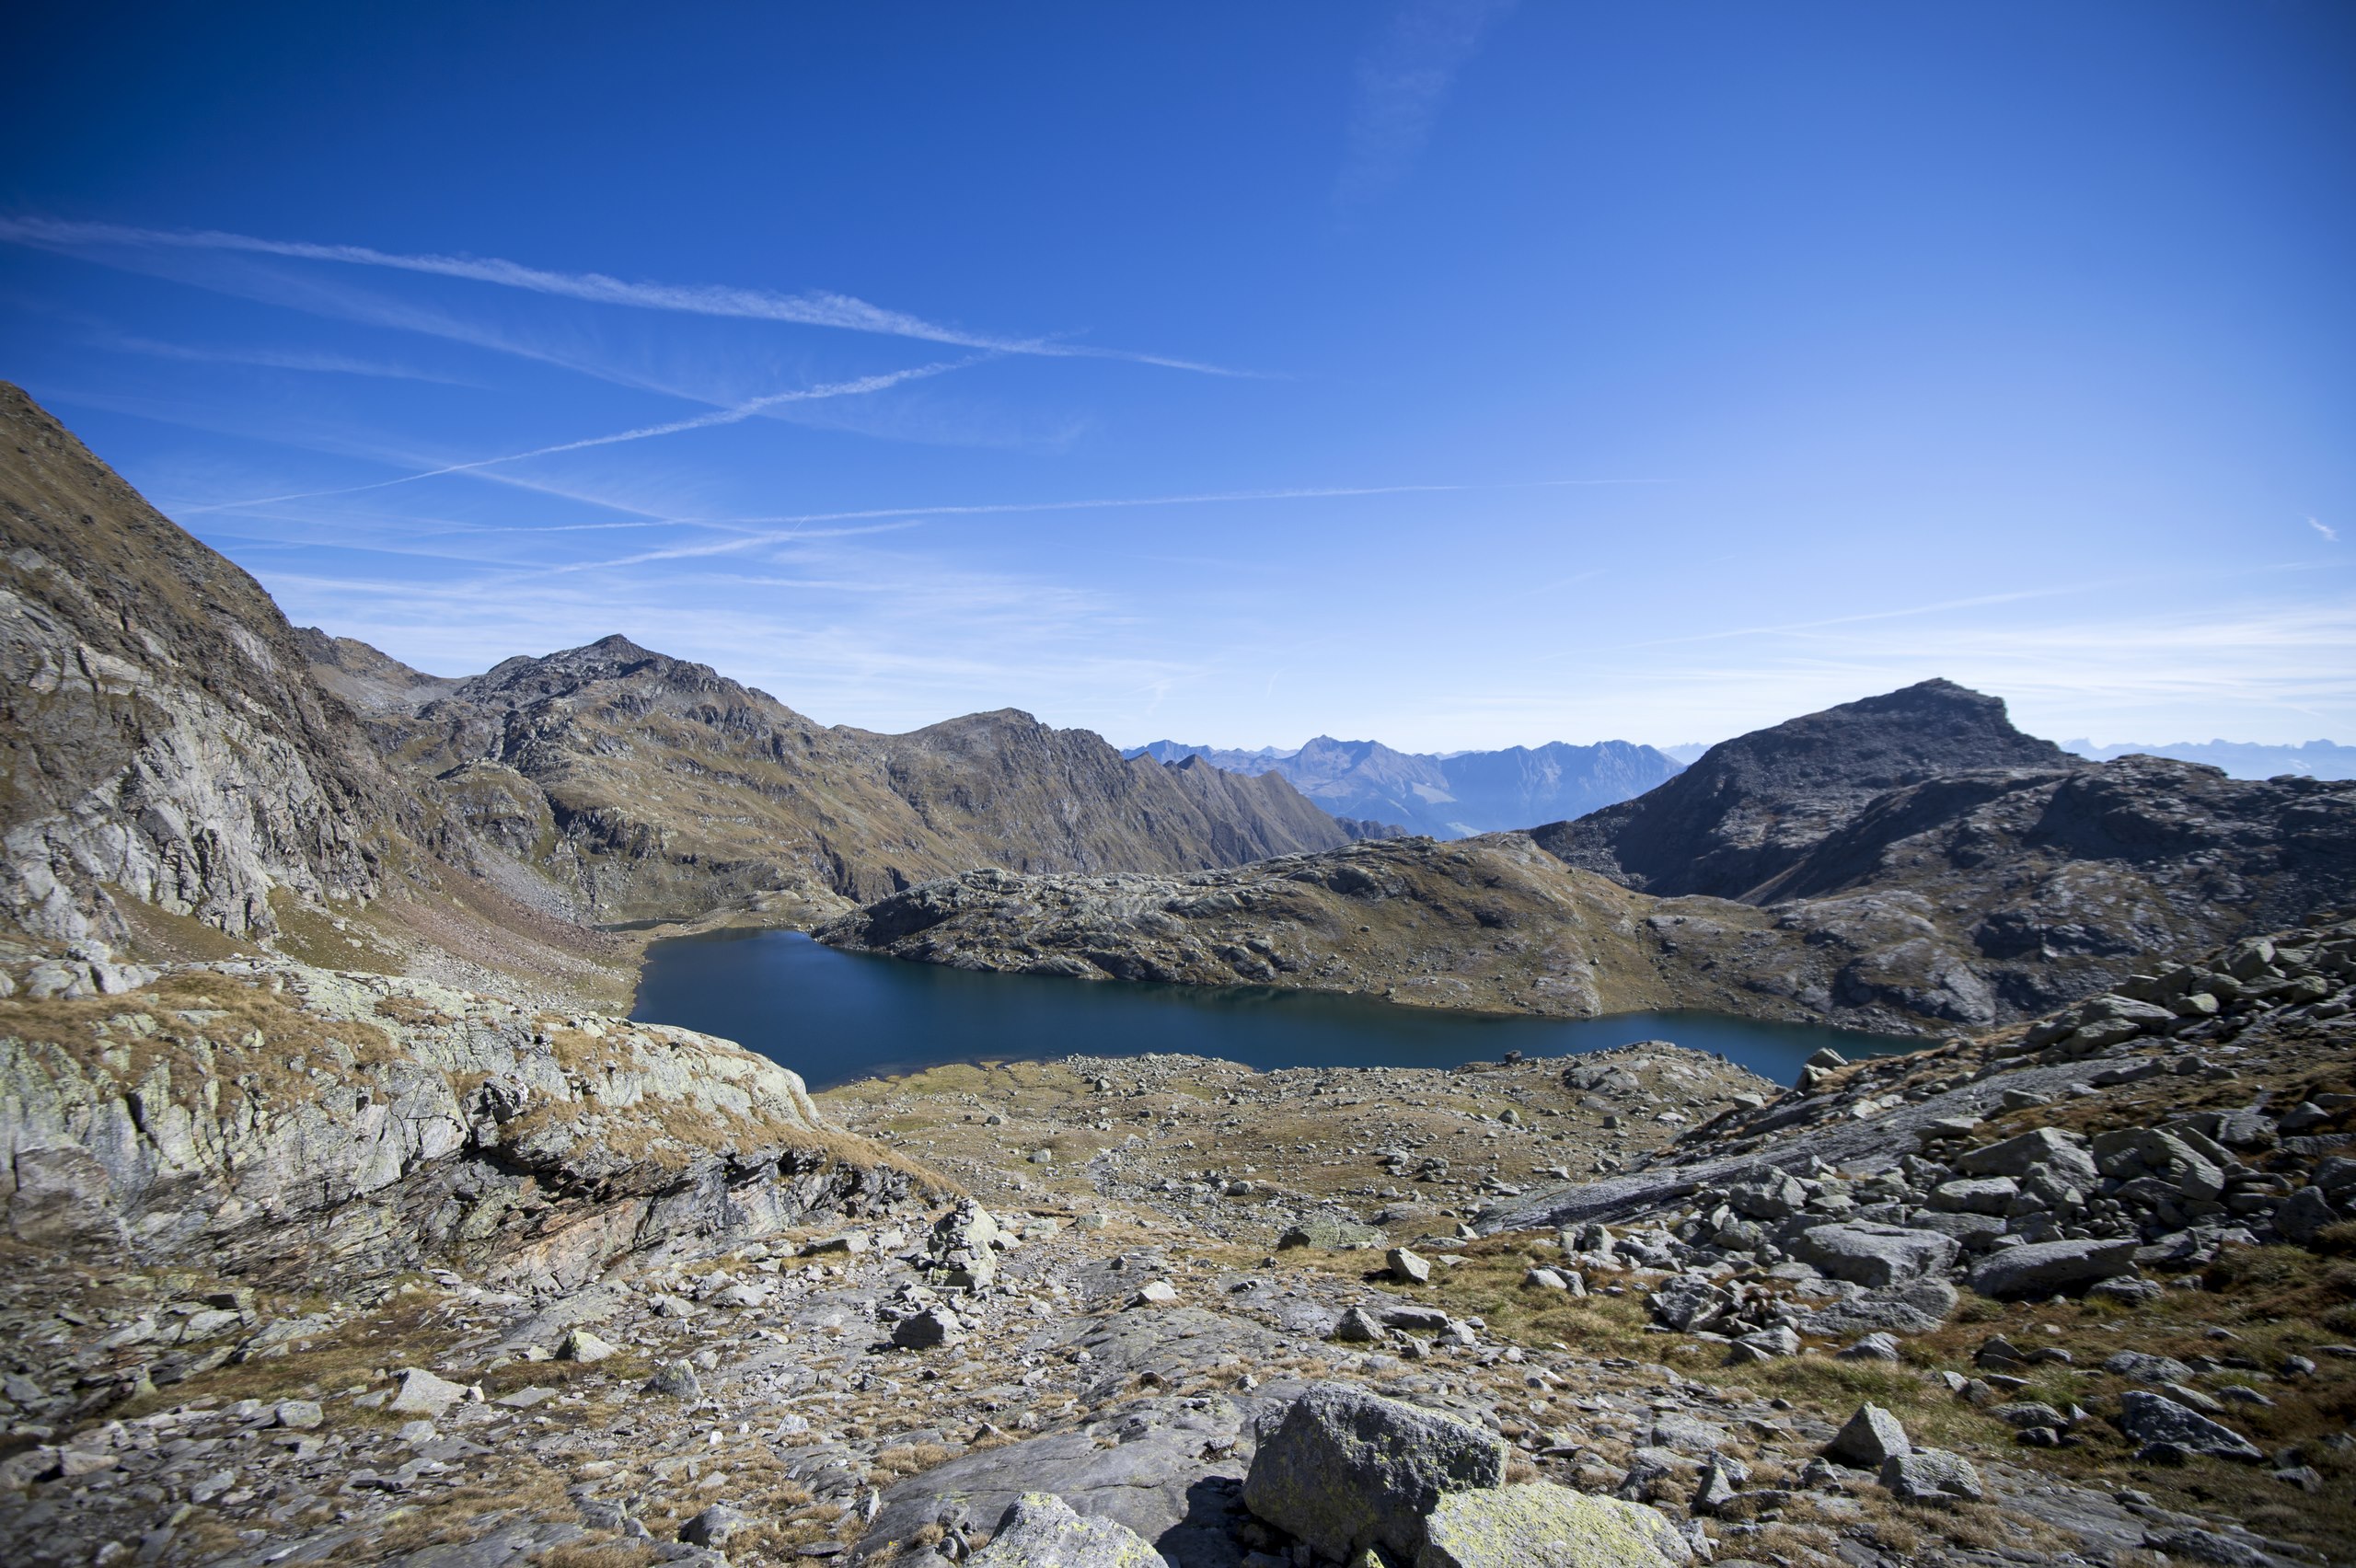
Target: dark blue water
833, 1017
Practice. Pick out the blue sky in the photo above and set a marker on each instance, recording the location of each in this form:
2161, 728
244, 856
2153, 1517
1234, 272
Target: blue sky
1453, 374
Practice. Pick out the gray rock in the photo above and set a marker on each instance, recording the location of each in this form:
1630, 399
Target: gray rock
2154, 1420
1357, 1326
1768, 1194
1347, 1469
676, 1380
2196, 1545
1916, 1307
1407, 1267
1867, 1254
2065, 1151
929, 1330
1683, 1434
2304, 1213
1976, 1194
1041, 1530
2142, 1367
423, 1393
2043, 1267
1869, 1436
583, 1346
1540, 1525
1924, 1474
1873, 1347
1688, 1302
713, 1527
299, 1415
2127, 1290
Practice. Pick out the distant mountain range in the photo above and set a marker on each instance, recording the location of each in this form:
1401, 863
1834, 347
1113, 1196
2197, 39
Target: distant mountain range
1449, 795
2240, 759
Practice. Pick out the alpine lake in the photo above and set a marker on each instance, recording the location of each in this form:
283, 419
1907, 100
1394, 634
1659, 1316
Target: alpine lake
836, 1017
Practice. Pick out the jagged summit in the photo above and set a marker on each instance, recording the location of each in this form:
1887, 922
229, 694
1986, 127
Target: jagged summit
1750, 808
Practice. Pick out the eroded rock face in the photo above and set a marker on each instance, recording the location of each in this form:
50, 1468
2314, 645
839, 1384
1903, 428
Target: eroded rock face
291, 1119
159, 734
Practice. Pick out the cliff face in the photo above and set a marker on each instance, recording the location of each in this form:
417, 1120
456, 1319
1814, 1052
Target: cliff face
159, 734
1754, 806
640, 784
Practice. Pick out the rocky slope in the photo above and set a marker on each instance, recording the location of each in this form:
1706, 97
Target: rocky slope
157, 735
1752, 806
637, 786
1201, 1316
291, 1127
1454, 796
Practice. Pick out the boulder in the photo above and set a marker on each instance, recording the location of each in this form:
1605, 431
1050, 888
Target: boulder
1865, 1252
713, 1527
2134, 1152
1767, 1194
1976, 1194
422, 1393
1869, 1437
1925, 1474
2065, 1151
2043, 1267
1688, 1302
1357, 1326
1873, 1347
1347, 1469
1406, 1267
1916, 1307
2157, 1422
1041, 1530
2142, 1367
2304, 1213
676, 1379
1540, 1525
929, 1330
584, 1347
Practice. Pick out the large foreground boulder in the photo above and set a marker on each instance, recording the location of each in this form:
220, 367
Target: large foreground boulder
1040, 1530
2160, 1423
1545, 1525
1347, 1469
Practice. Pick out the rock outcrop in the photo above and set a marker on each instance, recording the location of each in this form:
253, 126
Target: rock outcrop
159, 736
285, 1124
637, 786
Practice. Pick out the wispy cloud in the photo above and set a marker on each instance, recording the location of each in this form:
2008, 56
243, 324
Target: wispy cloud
735, 415
815, 309
268, 358
2326, 529
1401, 83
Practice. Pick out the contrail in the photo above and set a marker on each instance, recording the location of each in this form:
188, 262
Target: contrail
815, 309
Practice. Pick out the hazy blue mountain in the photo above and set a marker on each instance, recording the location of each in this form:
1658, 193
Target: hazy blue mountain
1448, 796
2240, 759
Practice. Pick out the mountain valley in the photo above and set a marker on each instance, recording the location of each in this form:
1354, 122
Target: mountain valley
350, 1218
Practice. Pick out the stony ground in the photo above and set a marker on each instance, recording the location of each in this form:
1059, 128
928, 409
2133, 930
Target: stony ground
1176, 1248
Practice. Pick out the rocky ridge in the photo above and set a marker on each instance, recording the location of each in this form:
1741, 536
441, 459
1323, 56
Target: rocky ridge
633, 785
1969, 899
1749, 807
